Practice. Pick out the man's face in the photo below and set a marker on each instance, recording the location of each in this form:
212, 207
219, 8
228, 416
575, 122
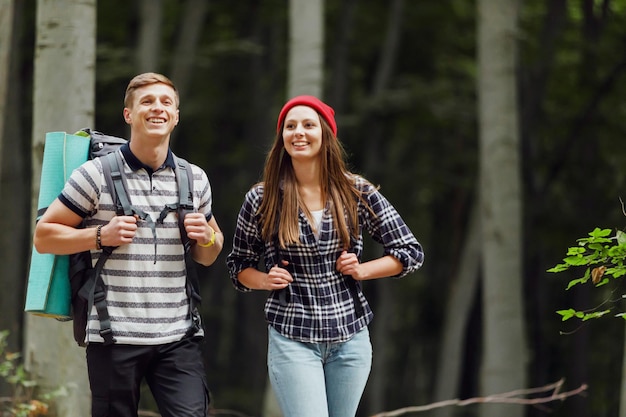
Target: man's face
153, 110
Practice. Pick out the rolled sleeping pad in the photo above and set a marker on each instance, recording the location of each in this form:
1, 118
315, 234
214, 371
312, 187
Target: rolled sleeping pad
48, 290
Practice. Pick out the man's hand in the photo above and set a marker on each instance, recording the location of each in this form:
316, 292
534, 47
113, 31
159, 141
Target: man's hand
119, 231
198, 229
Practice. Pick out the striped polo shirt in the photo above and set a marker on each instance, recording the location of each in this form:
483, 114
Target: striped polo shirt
145, 280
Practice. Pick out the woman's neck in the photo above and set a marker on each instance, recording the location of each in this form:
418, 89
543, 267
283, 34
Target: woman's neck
308, 186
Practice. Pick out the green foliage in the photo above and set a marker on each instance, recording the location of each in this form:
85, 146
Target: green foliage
602, 257
23, 401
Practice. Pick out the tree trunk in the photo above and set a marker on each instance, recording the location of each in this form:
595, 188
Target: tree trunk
9, 281
181, 72
306, 47
305, 76
458, 311
15, 241
191, 25
622, 397
376, 159
63, 99
504, 357
149, 43
339, 93
6, 34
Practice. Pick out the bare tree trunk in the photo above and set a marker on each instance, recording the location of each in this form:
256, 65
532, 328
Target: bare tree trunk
376, 160
149, 44
63, 99
458, 310
305, 76
306, 47
504, 357
15, 241
339, 59
191, 25
6, 34
622, 397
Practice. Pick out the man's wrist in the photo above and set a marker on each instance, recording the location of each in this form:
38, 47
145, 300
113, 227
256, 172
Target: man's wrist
211, 241
99, 237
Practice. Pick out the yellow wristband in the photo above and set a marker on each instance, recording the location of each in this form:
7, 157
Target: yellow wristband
210, 242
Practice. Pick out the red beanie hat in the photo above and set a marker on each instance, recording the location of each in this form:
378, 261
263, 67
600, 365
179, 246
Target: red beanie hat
322, 108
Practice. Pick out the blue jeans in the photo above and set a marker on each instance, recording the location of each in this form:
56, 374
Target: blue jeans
319, 379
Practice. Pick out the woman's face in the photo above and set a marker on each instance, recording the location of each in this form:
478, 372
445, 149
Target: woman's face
302, 133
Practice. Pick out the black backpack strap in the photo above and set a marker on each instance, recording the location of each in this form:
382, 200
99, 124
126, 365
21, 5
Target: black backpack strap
113, 168
355, 286
184, 179
94, 291
283, 294
98, 298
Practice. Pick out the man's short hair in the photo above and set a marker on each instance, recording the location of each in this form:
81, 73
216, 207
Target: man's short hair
144, 79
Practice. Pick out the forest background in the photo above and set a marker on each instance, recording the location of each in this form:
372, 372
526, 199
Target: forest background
405, 79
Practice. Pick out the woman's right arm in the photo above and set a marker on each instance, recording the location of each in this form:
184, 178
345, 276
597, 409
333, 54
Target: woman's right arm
276, 279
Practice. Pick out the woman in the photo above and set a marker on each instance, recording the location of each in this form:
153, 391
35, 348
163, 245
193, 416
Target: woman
306, 219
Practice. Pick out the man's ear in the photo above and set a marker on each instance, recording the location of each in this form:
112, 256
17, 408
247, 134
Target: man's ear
127, 117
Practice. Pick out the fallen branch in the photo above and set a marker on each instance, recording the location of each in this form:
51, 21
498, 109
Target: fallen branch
212, 412
504, 398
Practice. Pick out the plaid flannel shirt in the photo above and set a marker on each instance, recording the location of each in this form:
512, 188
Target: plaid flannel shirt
321, 301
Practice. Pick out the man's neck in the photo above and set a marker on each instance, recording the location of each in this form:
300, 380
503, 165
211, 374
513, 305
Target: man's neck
149, 151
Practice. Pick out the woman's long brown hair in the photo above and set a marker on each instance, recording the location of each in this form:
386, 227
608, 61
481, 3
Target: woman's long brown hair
281, 198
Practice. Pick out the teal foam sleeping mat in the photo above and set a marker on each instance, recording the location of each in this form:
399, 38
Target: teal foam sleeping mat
48, 290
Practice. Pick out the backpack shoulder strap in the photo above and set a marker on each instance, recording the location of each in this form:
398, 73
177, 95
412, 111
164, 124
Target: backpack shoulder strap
96, 296
113, 169
184, 179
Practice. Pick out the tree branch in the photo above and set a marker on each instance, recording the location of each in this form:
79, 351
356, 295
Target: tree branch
504, 398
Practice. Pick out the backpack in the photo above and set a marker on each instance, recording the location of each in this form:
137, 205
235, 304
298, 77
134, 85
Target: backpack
86, 284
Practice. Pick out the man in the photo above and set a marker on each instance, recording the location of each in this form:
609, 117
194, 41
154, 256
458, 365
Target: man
145, 277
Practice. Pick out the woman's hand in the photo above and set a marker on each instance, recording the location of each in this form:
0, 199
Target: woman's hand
277, 278
348, 264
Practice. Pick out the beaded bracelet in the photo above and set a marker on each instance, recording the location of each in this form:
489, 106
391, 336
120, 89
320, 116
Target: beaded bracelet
99, 237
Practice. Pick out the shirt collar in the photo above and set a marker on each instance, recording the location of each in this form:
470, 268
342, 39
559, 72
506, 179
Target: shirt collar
135, 164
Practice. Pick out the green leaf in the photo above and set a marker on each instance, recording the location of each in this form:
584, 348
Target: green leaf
566, 314
603, 282
575, 251
597, 246
575, 260
576, 282
595, 315
597, 232
616, 272
559, 268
